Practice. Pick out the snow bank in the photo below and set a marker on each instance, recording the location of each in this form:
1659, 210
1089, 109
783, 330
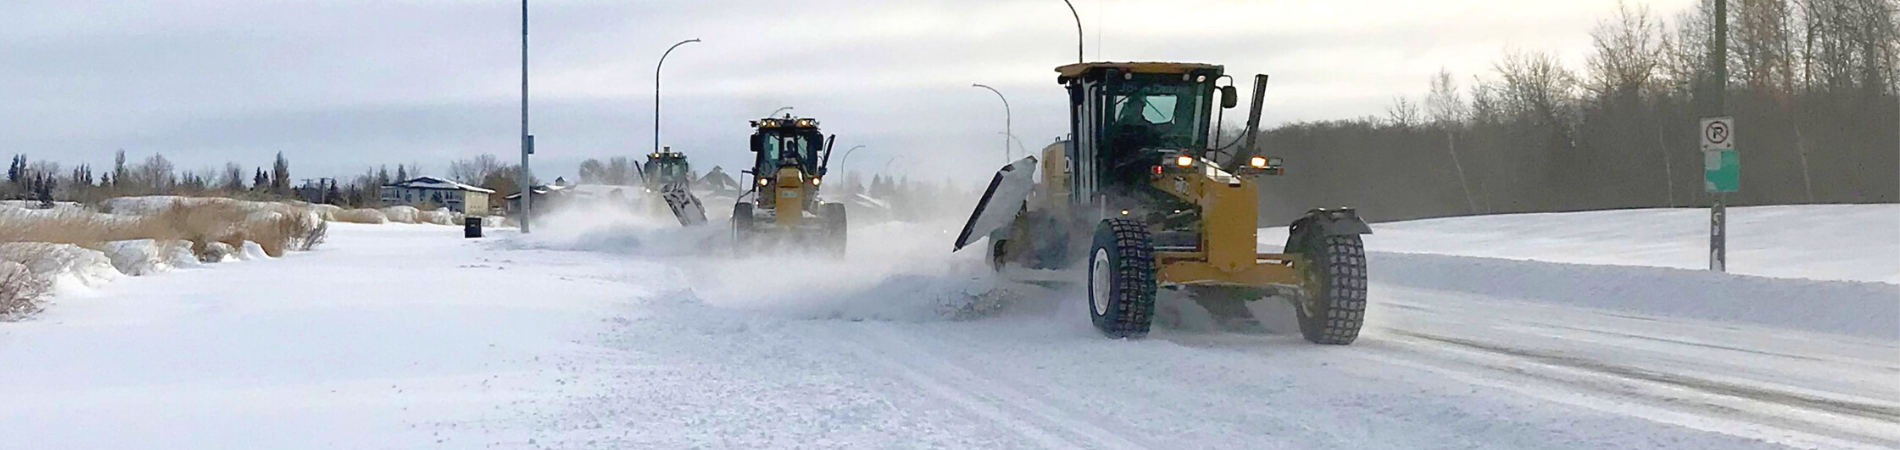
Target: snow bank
363, 215
401, 214
1864, 309
217, 252
326, 212
66, 266
252, 252
147, 256
1820, 242
440, 216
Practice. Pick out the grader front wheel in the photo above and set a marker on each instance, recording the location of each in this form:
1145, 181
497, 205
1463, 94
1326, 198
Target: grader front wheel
1334, 305
1122, 279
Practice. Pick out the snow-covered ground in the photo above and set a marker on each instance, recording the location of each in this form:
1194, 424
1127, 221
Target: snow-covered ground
617, 333
1821, 242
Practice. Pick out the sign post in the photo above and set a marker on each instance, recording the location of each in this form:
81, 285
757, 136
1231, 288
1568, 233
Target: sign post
1721, 174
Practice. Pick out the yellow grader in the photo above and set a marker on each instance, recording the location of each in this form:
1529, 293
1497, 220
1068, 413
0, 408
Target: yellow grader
1145, 196
783, 206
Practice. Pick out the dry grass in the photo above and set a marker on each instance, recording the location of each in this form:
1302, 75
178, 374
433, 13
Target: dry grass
275, 227
364, 215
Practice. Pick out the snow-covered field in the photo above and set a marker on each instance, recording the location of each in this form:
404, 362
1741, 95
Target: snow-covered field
614, 333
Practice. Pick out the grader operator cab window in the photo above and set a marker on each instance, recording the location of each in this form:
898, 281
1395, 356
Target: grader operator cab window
1157, 114
1145, 117
778, 149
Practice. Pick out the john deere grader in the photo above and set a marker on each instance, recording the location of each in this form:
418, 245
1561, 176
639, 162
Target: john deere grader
668, 173
1147, 198
783, 206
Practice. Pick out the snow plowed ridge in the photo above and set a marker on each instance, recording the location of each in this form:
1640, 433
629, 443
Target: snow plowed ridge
1820, 242
1861, 309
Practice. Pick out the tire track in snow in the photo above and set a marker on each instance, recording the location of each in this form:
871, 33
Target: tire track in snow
1868, 410
1658, 397
876, 342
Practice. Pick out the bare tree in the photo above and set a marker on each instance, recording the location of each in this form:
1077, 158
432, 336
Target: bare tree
620, 171
155, 175
232, 179
475, 170
1444, 103
1536, 87
593, 172
1627, 55
1403, 113
1762, 45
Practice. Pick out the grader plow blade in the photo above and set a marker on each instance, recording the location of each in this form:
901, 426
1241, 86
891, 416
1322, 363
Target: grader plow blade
684, 204
1001, 201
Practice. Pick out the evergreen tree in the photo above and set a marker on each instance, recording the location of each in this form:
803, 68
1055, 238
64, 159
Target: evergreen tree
16, 169
280, 175
118, 167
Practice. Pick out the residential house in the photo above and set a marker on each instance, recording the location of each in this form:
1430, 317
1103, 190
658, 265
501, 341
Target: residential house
437, 192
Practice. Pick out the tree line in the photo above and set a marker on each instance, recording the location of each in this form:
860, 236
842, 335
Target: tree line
1812, 88
45, 181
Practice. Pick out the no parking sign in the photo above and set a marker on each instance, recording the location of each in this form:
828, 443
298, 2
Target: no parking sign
1721, 163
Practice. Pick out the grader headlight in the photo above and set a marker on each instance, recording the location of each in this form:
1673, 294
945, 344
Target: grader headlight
765, 182
1184, 161
1258, 162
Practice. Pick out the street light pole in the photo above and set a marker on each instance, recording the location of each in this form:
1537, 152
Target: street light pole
525, 178
1078, 31
656, 95
1008, 127
1019, 143
847, 158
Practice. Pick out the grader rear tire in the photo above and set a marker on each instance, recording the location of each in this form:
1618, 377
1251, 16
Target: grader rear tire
1334, 307
1122, 279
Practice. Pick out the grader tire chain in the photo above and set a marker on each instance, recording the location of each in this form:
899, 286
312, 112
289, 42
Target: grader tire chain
1342, 302
1131, 310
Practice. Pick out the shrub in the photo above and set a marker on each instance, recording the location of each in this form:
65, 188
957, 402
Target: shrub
19, 291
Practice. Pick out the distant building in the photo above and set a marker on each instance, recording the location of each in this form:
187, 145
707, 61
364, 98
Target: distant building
431, 191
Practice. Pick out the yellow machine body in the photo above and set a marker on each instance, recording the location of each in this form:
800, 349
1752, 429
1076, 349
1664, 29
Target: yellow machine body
789, 195
1229, 232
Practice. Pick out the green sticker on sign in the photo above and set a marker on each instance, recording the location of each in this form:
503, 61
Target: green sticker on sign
1722, 171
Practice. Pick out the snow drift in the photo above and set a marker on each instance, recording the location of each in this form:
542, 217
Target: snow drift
148, 256
63, 266
896, 271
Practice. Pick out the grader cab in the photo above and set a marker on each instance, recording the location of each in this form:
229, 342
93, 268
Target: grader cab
783, 205
1146, 197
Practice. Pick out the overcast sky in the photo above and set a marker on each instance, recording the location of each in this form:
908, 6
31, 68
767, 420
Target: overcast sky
342, 85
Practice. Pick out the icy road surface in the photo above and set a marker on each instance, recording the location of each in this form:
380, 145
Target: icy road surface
613, 336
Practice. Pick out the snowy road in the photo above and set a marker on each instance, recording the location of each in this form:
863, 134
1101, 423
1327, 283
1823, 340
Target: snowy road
407, 337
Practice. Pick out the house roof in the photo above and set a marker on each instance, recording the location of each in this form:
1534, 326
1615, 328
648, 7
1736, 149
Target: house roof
438, 183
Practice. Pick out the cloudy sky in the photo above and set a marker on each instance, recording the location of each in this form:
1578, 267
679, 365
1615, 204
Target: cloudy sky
342, 85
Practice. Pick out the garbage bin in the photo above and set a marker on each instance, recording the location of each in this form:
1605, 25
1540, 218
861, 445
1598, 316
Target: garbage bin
471, 227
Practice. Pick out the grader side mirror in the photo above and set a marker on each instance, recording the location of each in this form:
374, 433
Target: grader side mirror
1229, 97
757, 143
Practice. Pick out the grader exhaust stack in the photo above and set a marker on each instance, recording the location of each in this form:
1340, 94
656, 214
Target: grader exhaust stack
1246, 153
